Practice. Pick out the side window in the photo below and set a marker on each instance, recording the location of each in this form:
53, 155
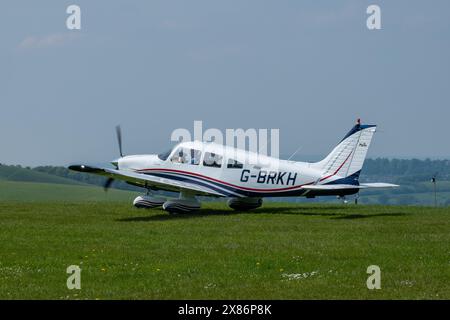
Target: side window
234, 164
195, 156
212, 160
179, 156
187, 156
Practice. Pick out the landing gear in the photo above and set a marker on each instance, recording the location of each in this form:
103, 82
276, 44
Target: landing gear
184, 204
343, 199
244, 204
148, 201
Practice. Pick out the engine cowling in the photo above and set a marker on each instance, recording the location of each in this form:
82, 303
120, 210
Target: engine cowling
244, 204
147, 202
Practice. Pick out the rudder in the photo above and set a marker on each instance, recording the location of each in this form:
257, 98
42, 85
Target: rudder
344, 163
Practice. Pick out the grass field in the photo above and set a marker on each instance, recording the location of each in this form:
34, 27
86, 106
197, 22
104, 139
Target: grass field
280, 251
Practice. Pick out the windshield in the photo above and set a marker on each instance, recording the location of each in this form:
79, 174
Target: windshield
163, 156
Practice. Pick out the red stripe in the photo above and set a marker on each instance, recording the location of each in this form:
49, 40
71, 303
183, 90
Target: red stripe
337, 168
223, 182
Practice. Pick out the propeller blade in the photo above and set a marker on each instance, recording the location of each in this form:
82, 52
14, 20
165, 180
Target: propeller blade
107, 184
119, 139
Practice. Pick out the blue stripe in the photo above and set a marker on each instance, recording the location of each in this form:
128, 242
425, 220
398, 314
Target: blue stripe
351, 179
176, 177
356, 129
183, 178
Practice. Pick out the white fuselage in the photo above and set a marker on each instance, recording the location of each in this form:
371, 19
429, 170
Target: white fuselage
233, 172
209, 169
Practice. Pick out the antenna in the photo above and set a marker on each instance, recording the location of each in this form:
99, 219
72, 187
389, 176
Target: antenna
298, 149
433, 180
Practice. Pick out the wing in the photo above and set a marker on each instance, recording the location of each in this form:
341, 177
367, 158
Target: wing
349, 186
147, 181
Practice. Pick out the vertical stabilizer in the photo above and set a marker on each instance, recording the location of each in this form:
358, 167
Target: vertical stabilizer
344, 163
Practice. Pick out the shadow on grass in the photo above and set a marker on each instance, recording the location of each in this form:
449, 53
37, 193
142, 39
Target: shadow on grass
370, 215
305, 211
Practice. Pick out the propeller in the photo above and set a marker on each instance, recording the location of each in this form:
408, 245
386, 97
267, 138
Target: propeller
119, 139
109, 182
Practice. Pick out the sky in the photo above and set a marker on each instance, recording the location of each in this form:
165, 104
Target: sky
307, 68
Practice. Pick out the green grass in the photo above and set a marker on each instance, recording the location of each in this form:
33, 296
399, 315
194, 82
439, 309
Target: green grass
126, 253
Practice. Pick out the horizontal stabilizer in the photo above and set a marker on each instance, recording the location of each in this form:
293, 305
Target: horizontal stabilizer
331, 187
379, 185
349, 186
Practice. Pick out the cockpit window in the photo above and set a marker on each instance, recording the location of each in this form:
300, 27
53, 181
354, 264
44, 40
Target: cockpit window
187, 156
234, 164
212, 160
163, 156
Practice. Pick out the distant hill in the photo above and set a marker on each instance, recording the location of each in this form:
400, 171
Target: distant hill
56, 174
83, 177
22, 191
405, 170
18, 173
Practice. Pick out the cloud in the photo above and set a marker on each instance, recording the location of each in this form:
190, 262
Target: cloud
50, 40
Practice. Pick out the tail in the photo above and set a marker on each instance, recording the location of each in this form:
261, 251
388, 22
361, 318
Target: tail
343, 165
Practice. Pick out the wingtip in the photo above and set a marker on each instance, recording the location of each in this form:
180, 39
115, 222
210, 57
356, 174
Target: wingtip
76, 167
84, 168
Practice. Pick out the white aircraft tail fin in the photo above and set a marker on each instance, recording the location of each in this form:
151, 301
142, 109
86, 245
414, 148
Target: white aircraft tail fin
343, 165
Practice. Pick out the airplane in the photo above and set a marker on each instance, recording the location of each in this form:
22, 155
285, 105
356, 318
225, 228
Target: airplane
196, 168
